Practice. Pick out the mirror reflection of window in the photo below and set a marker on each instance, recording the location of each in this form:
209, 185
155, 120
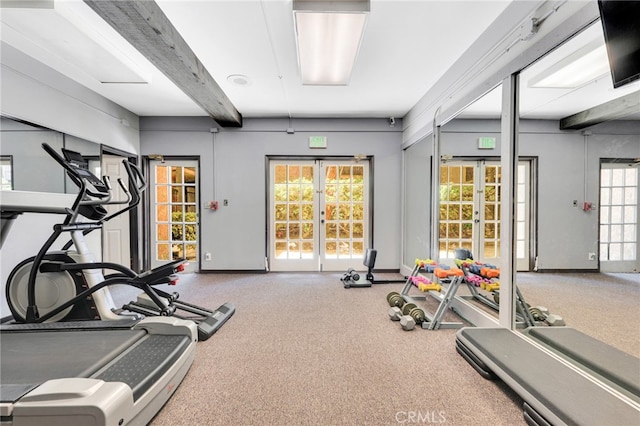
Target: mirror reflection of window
95, 167
6, 172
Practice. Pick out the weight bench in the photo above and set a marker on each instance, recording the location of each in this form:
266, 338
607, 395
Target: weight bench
554, 392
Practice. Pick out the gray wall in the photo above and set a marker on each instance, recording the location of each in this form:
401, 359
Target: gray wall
568, 169
233, 168
35, 93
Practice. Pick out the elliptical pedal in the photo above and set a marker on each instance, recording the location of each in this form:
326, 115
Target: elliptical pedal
212, 323
208, 321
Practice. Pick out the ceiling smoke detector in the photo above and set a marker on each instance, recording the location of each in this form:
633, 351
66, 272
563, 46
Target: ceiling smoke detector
239, 80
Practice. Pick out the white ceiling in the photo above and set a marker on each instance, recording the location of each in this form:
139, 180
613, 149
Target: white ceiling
407, 47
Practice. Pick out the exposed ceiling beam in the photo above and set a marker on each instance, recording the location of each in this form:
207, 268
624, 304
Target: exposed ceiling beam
143, 24
612, 110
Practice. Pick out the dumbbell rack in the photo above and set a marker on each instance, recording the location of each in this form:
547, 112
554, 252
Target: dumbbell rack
524, 318
434, 320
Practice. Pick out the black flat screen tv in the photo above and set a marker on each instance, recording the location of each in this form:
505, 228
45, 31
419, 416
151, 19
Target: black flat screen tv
621, 27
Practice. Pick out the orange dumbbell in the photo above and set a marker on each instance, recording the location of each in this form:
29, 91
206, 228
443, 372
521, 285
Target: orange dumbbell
445, 273
490, 273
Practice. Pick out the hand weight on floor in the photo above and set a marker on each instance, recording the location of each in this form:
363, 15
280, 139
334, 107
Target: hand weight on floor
395, 299
409, 315
351, 276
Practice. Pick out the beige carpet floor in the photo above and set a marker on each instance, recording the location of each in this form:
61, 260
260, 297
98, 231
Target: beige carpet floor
302, 350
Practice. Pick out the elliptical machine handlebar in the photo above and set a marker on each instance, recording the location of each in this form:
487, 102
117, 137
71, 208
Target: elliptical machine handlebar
137, 184
135, 175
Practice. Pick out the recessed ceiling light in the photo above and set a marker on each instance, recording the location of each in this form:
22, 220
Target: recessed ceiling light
239, 80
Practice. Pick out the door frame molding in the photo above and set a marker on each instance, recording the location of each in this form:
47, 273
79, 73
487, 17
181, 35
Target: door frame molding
267, 178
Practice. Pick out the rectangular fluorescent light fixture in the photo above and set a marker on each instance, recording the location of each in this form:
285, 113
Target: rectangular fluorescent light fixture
328, 37
581, 67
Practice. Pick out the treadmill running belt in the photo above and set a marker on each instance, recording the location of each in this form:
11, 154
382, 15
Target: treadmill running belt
33, 358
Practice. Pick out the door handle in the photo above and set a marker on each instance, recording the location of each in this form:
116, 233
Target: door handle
476, 221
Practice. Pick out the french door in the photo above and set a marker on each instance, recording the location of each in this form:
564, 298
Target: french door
318, 214
619, 230
470, 195
174, 212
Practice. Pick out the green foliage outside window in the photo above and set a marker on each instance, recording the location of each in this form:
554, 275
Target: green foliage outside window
190, 227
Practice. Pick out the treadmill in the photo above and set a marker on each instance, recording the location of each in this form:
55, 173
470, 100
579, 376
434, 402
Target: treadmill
92, 372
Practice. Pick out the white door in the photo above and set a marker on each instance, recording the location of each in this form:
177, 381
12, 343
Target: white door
470, 211
116, 246
174, 197
318, 214
619, 230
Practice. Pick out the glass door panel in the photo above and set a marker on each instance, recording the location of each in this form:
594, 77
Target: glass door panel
619, 231
345, 202
458, 211
490, 236
293, 216
175, 212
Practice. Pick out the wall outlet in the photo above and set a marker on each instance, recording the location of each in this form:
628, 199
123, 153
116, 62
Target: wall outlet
207, 256
592, 256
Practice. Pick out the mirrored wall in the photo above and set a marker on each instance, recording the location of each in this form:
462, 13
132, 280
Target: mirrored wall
587, 146
577, 190
25, 166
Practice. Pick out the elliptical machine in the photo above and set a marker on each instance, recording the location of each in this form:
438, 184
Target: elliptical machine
68, 285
